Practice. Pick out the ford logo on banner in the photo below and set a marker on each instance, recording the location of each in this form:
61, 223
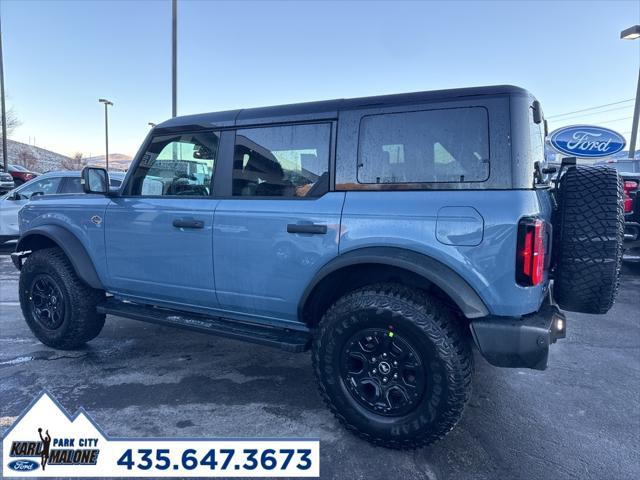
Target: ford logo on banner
586, 141
23, 465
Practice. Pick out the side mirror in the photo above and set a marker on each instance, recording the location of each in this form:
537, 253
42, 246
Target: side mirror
94, 180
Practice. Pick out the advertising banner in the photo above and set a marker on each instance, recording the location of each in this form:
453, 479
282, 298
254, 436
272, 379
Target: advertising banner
47, 442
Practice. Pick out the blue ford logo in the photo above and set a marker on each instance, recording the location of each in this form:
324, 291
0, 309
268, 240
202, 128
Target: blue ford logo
586, 141
23, 465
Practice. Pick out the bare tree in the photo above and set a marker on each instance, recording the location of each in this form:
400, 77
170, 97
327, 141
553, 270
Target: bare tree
77, 162
12, 122
28, 160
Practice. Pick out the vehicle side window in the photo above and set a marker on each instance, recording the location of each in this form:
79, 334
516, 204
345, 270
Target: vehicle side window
45, 186
113, 183
71, 185
445, 145
284, 161
177, 165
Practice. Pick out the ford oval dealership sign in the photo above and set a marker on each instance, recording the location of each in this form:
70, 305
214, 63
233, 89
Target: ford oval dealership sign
586, 141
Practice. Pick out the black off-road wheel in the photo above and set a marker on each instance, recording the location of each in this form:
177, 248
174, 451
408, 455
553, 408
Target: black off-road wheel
393, 366
59, 308
589, 235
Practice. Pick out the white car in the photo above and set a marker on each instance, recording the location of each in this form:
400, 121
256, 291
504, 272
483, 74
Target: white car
46, 184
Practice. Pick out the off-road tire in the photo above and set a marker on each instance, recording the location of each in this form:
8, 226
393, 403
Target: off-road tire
440, 343
80, 322
589, 235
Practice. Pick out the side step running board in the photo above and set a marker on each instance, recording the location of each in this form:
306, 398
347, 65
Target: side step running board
282, 338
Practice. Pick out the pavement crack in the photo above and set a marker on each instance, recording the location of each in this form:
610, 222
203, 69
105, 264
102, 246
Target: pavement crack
47, 358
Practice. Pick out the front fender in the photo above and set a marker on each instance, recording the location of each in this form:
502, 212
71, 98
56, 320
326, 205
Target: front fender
42, 237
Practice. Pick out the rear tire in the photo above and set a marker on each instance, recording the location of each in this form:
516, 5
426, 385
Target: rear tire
418, 341
589, 239
59, 308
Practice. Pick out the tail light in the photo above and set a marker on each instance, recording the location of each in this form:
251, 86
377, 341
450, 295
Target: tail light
629, 186
530, 256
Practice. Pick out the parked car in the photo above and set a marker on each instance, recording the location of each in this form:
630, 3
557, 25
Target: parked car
6, 182
386, 234
21, 174
46, 184
629, 170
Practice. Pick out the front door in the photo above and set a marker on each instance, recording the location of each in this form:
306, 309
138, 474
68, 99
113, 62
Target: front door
281, 223
158, 234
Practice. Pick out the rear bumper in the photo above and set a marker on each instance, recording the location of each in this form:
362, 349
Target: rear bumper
520, 342
631, 235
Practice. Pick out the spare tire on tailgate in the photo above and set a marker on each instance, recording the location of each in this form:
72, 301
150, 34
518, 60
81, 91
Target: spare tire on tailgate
588, 237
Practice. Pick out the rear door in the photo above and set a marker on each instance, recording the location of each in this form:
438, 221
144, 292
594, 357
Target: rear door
158, 234
280, 222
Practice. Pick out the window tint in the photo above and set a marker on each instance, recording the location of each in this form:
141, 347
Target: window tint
71, 185
115, 183
45, 186
177, 165
448, 145
287, 161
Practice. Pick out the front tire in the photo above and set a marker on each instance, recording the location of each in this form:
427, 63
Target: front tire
393, 366
59, 308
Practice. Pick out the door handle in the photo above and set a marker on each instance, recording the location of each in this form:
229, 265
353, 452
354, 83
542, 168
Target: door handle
188, 223
306, 228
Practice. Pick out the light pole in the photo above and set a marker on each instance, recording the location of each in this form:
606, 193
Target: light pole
106, 130
633, 33
4, 108
174, 54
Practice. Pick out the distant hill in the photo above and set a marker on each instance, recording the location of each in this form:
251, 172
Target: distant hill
42, 160
117, 161
34, 158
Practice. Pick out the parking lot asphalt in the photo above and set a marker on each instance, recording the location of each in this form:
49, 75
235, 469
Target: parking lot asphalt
578, 419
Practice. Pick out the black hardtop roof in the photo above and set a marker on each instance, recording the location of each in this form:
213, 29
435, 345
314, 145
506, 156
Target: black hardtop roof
327, 109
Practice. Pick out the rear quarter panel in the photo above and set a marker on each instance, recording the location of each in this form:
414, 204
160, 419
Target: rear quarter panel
486, 261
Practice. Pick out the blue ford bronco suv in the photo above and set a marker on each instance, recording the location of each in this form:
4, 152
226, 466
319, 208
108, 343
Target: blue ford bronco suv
388, 235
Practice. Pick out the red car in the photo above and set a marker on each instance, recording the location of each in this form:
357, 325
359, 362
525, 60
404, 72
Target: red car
20, 174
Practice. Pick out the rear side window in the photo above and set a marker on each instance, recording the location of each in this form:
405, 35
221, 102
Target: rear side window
71, 185
446, 145
284, 161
